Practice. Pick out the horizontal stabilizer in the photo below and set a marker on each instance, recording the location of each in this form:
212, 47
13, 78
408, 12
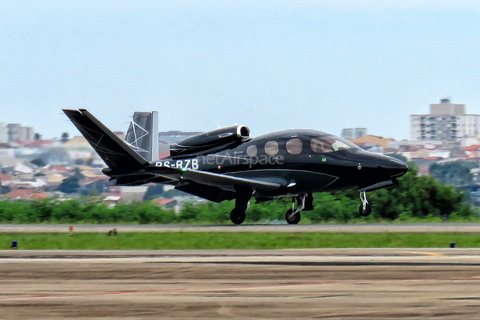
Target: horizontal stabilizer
116, 154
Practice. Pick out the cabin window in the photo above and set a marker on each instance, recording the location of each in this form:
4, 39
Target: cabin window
294, 146
271, 148
252, 150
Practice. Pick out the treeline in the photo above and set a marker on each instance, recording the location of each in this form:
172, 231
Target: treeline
415, 198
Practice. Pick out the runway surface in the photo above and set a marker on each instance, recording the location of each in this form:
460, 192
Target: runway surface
206, 284
348, 228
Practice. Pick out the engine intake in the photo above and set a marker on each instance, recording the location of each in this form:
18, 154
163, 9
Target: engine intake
212, 141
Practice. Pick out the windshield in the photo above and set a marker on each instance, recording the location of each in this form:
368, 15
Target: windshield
330, 143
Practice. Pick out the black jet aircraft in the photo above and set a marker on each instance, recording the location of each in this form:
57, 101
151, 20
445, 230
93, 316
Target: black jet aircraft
227, 164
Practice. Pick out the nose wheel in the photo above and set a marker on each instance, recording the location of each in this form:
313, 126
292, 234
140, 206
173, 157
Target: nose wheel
365, 208
293, 215
292, 219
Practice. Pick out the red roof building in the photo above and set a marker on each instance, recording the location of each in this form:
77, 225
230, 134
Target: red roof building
58, 168
5, 177
472, 151
39, 196
165, 202
19, 194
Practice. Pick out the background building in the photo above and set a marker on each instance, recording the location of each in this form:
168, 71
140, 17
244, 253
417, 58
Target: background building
3, 132
353, 133
17, 132
445, 122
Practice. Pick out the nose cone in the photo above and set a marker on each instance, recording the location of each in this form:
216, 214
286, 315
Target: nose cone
395, 167
383, 166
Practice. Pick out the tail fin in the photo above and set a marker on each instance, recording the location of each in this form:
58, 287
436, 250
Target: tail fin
116, 154
142, 134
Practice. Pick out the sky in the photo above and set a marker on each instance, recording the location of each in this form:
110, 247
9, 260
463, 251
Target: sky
270, 65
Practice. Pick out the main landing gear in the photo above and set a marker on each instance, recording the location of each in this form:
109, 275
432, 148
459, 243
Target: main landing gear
365, 208
237, 215
305, 202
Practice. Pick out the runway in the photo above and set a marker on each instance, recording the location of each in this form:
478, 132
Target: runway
205, 284
277, 228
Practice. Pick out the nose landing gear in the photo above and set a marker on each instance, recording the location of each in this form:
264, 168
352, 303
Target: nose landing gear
293, 215
365, 208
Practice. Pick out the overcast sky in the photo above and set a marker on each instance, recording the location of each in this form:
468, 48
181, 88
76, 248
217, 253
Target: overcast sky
270, 65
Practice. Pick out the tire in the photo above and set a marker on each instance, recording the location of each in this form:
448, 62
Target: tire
237, 216
367, 211
295, 220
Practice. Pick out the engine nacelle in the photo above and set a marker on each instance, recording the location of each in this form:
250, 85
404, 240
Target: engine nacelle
212, 141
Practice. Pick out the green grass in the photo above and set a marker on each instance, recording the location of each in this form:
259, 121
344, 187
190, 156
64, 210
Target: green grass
200, 240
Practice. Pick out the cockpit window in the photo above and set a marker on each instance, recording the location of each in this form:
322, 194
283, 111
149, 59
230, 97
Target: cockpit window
294, 146
271, 148
324, 144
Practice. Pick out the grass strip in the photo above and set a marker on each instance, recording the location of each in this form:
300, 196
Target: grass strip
219, 240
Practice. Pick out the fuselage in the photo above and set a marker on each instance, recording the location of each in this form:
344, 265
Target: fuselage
303, 161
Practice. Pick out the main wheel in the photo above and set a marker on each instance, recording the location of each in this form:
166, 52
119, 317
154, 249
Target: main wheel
237, 216
367, 211
293, 220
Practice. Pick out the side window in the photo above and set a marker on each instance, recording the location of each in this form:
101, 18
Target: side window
252, 150
271, 148
294, 146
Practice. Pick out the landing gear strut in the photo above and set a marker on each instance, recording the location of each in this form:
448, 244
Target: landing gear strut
293, 215
365, 208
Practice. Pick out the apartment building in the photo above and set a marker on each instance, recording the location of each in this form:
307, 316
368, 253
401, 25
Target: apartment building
353, 133
445, 122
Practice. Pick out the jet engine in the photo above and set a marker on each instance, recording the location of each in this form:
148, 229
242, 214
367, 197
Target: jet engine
212, 141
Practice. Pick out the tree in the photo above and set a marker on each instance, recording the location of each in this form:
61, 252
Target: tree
64, 137
37, 136
71, 184
457, 173
418, 197
4, 189
38, 162
153, 192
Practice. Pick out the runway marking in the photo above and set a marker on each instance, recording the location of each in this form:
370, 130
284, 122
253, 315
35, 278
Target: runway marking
179, 290
424, 253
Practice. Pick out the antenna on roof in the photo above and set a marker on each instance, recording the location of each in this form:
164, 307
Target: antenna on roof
218, 126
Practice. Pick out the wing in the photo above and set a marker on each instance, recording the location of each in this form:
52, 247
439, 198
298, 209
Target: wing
227, 182
223, 181
215, 187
